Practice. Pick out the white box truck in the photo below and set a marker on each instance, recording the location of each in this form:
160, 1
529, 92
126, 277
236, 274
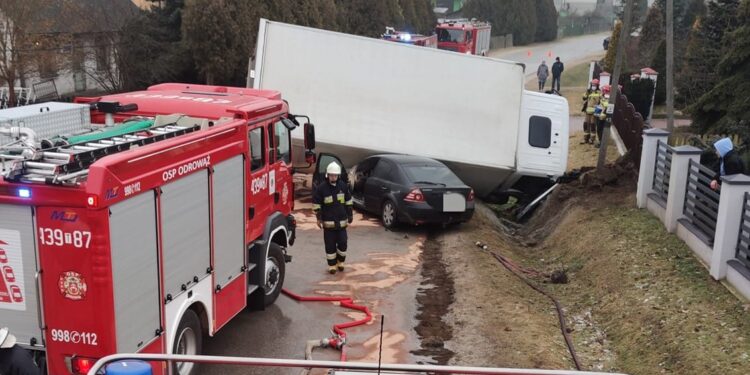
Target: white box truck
371, 96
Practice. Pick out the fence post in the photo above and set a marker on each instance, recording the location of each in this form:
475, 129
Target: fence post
728, 220
651, 137
678, 175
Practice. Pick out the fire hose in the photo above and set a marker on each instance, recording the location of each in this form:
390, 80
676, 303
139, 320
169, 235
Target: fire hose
338, 338
519, 271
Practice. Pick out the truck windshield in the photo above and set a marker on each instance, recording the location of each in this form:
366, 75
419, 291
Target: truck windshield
450, 35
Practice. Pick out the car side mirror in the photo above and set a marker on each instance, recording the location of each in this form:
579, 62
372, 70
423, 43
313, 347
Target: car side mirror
309, 136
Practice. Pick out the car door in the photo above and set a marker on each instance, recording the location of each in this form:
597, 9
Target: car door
320, 168
358, 178
378, 185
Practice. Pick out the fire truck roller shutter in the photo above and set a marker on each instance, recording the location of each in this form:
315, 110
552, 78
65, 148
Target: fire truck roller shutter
185, 232
19, 302
134, 270
229, 219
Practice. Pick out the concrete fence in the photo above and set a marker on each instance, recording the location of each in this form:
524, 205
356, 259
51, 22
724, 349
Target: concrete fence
674, 186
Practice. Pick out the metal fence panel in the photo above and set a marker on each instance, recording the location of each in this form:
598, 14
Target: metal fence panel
743, 240
701, 202
662, 170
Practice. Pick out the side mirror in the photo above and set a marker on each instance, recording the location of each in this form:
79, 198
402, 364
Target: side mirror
309, 136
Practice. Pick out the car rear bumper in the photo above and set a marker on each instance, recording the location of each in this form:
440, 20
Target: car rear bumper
423, 213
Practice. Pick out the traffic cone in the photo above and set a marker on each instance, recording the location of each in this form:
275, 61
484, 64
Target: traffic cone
528, 53
549, 53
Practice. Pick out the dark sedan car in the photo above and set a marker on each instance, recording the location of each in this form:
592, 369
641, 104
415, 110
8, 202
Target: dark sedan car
410, 189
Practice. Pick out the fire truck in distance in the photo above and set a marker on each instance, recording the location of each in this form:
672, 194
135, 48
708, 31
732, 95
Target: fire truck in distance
392, 35
136, 222
465, 36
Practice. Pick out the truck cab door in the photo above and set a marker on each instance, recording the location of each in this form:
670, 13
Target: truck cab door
320, 169
543, 135
280, 155
262, 180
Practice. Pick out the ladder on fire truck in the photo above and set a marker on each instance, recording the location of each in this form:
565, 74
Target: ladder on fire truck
68, 164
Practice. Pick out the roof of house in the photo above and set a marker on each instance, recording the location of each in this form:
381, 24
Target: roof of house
83, 16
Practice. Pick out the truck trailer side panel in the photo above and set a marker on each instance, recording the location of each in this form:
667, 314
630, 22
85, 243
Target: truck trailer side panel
374, 95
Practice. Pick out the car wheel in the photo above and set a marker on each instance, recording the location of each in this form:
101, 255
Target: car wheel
188, 341
389, 215
275, 271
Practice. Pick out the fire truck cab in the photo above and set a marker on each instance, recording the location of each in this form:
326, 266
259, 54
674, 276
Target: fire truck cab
144, 220
464, 36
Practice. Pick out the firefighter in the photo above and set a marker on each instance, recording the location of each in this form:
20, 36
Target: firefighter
591, 99
15, 360
600, 114
332, 204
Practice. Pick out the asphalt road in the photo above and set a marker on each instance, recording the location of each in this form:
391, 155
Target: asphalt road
382, 273
570, 50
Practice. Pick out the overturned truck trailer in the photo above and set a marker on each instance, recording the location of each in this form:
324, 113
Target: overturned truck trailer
371, 96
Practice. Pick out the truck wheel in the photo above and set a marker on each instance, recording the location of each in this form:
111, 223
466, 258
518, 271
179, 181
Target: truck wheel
188, 341
389, 215
275, 271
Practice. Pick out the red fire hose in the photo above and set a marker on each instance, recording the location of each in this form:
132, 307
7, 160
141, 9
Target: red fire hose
340, 339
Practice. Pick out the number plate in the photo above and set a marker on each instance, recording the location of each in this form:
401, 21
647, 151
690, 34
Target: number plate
453, 202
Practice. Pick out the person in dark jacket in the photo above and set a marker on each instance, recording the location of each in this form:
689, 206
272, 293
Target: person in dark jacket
15, 360
332, 204
729, 162
557, 69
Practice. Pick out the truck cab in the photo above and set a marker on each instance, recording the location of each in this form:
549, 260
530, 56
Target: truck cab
464, 36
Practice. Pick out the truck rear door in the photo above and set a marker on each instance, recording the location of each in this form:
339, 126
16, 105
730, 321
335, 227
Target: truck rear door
19, 294
543, 135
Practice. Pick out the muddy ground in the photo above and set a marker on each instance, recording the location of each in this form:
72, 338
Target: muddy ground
637, 301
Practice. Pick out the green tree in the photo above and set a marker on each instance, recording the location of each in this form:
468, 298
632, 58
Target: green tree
212, 34
652, 34
425, 15
659, 63
725, 107
609, 58
704, 49
546, 15
517, 17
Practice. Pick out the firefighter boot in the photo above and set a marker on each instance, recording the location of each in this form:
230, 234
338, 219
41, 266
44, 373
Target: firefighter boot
340, 266
585, 139
332, 270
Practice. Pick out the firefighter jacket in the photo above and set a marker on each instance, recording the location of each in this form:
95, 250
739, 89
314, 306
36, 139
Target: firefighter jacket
601, 110
591, 99
332, 204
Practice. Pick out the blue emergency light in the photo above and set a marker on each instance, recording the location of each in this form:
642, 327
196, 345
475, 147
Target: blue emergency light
24, 193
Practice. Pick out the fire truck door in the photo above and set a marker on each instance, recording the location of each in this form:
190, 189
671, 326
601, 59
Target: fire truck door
134, 271
282, 166
262, 178
19, 301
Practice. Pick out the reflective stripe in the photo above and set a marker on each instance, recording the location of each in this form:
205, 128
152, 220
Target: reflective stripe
341, 197
328, 199
342, 253
316, 207
329, 224
350, 202
330, 256
343, 223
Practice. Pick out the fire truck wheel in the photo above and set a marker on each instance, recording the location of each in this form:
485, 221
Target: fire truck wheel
187, 341
275, 271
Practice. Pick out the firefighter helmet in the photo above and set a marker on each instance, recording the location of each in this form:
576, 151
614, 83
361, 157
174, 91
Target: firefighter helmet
333, 168
606, 89
595, 81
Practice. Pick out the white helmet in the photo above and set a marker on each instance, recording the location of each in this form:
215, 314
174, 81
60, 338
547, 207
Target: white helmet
333, 168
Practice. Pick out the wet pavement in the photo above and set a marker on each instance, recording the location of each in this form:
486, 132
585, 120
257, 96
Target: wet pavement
382, 273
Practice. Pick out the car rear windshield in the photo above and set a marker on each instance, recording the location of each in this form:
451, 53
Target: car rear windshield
438, 174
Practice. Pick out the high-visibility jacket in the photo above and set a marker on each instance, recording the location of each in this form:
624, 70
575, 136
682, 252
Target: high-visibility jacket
332, 204
603, 104
592, 98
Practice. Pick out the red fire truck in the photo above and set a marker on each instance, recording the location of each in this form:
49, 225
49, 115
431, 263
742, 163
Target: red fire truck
465, 36
392, 35
159, 216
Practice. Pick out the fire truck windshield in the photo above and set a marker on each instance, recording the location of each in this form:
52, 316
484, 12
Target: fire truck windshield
451, 35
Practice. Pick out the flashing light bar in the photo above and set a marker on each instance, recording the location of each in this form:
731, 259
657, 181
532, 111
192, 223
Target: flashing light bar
24, 193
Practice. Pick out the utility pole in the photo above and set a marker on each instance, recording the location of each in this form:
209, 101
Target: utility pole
615, 88
670, 66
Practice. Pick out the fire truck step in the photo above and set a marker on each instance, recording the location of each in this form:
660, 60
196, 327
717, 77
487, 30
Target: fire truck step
251, 288
250, 266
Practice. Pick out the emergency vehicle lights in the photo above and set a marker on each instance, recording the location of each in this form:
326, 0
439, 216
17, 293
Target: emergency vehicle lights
24, 193
405, 37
